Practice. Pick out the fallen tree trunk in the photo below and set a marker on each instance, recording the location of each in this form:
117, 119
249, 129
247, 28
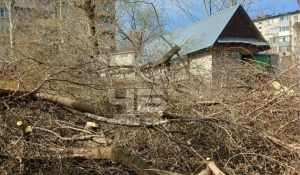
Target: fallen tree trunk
10, 93
121, 156
68, 102
65, 101
164, 59
125, 69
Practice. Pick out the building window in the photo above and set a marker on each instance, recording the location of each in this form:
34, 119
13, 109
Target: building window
273, 49
106, 21
284, 28
259, 27
2, 13
295, 38
259, 22
284, 18
284, 49
273, 30
273, 40
285, 39
272, 21
296, 17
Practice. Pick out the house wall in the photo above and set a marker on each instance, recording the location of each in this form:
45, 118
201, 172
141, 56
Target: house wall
120, 65
122, 59
202, 67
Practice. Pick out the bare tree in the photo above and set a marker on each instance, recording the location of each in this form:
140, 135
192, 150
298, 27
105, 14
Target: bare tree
9, 4
213, 6
138, 22
192, 7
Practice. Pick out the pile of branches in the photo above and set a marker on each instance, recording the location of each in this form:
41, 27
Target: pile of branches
245, 123
234, 129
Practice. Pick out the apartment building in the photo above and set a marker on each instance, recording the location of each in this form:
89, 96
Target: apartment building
102, 12
4, 23
278, 31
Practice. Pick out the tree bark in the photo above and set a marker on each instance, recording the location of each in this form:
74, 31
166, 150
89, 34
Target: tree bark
65, 101
121, 156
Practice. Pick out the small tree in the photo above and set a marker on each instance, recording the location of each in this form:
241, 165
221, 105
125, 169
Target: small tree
9, 6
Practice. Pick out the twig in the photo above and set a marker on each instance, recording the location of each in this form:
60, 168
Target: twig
270, 101
132, 122
37, 88
80, 138
216, 171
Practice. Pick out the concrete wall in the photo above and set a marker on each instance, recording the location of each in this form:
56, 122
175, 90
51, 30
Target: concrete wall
201, 67
122, 59
120, 62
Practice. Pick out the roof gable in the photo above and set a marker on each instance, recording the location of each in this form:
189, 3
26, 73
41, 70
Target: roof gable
241, 26
204, 33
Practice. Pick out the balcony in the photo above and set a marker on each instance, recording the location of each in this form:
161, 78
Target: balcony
284, 44
284, 23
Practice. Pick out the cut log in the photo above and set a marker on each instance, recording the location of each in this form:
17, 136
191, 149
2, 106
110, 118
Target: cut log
207, 171
163, 60
121, 156
124, 157
65, 101
213, 167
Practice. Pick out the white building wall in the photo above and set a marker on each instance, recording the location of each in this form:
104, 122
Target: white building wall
122, 59
202, 66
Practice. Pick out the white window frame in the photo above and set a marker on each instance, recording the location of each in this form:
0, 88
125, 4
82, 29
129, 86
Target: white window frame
284, 18
273, 30
284, 28
284, 49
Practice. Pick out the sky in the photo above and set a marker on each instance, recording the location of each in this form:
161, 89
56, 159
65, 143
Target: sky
177, 14
179, 19
273, 7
